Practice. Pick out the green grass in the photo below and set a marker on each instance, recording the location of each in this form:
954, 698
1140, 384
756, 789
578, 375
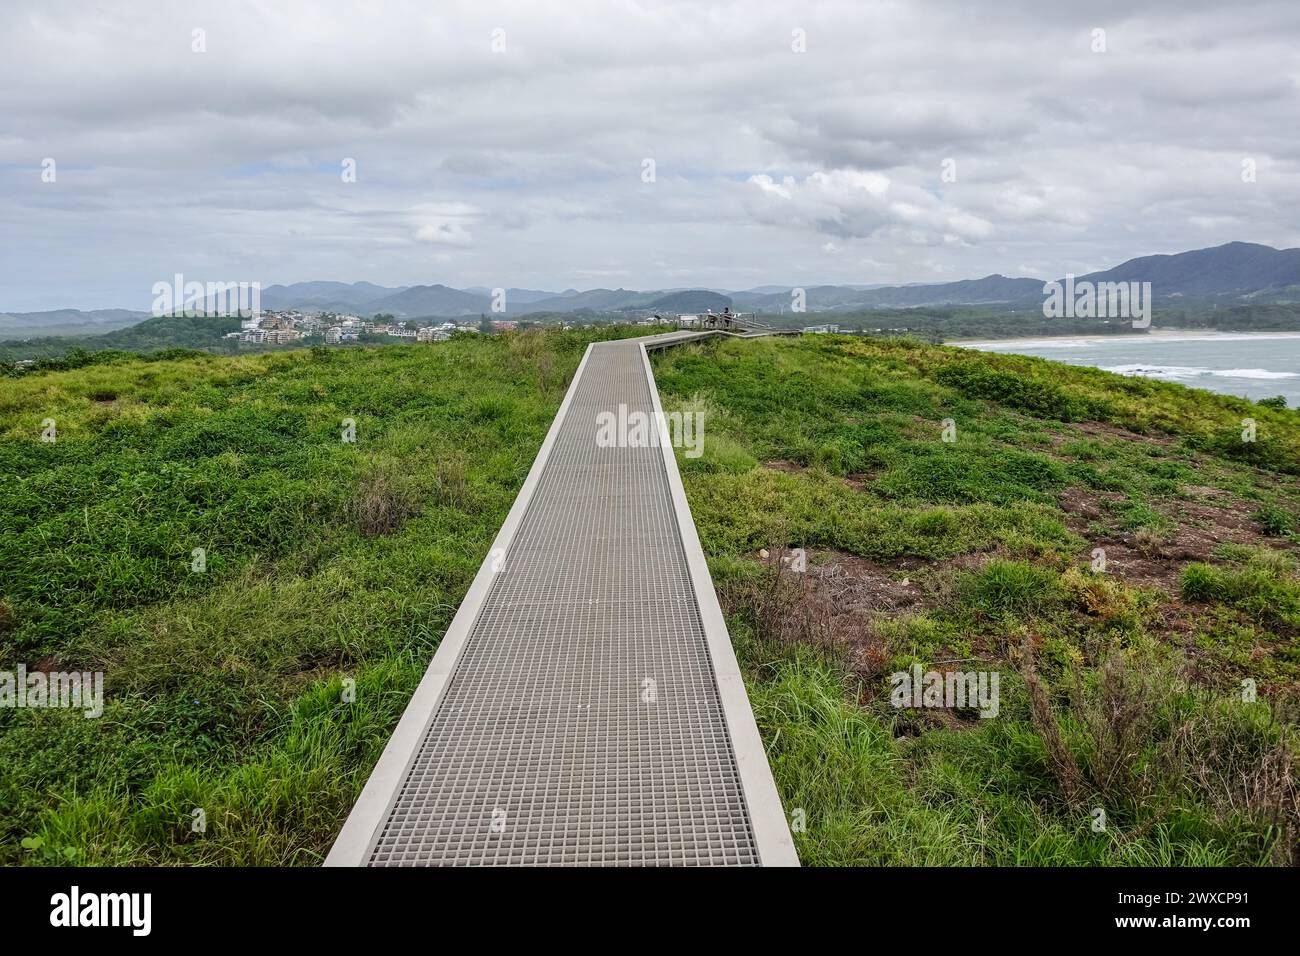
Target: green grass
149, 335
325, 560
1267, 588
329, 561
986, 795
1128, 720
1016, 588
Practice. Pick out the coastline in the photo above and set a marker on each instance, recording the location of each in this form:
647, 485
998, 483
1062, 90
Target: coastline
1167, 335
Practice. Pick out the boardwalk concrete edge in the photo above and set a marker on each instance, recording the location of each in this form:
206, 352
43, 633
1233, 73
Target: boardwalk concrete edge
766, 813
377, 797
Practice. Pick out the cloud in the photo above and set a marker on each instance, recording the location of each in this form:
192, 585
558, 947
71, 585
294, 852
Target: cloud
444, 223
523, 167
857, 204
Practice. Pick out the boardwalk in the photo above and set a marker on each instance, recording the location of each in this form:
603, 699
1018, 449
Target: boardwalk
585, 706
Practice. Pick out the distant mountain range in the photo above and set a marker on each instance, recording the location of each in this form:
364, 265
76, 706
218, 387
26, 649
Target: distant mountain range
15, 325
990, 290
441, 300
1238, 270
328, 296
1235, 273
1241, 270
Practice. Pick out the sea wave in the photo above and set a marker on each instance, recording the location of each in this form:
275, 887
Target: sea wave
1013, 345
1151, 338
1196, 371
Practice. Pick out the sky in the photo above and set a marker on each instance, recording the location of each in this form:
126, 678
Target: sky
646, 145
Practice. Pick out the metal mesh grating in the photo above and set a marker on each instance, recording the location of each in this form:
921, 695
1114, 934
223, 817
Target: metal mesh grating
544, 748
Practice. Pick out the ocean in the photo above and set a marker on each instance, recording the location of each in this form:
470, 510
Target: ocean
1249, 364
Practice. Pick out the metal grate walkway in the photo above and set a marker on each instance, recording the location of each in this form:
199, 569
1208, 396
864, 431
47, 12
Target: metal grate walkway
585, 706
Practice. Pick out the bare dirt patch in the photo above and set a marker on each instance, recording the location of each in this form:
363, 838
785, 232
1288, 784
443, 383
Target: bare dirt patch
856, 584
1143, 559
1126, 560
47, 665
835, 603
1102, 430
857, 481
1084, 505
1203, 526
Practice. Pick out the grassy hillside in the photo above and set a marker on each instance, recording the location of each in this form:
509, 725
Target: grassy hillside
65, 322
1119, 690
329, 560
160, 332
324, 560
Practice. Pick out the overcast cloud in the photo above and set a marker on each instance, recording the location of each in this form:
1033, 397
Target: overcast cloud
524, 167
